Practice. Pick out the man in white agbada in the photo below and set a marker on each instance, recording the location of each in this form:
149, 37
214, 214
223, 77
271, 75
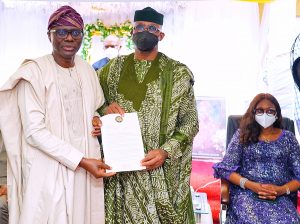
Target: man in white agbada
54, 164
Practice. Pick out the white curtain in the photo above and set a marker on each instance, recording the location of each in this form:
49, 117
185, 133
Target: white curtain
221, 41
280, 30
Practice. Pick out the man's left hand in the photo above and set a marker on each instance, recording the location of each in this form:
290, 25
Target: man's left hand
97, 126
154, 159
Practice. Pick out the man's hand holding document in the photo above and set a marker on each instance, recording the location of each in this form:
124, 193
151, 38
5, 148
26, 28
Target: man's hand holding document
122, 142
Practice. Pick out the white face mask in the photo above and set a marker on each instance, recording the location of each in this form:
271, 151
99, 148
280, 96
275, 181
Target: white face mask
265, 120
111, 52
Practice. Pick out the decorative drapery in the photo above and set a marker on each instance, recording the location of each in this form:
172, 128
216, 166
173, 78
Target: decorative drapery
223, 42
122, 30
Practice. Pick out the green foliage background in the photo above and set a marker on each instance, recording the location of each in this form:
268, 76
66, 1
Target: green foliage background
122, 30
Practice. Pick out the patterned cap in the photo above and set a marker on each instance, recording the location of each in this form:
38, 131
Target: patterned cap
65, 16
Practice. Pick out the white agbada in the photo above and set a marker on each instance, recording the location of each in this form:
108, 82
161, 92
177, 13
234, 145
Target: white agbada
45, 119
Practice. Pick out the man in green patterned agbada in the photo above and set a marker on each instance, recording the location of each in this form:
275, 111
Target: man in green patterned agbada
160, 90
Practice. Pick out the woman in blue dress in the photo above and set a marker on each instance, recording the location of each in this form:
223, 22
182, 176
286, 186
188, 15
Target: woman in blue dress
262, 163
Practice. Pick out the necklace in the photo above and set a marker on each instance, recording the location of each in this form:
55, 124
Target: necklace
267, 140
271, 136
67, 71
70, 72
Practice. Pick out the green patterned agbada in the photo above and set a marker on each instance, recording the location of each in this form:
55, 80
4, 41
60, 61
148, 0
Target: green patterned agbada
161, 92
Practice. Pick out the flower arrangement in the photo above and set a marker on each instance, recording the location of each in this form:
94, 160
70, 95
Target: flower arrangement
122, 30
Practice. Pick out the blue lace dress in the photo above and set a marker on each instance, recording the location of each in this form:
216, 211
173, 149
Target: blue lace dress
276, 162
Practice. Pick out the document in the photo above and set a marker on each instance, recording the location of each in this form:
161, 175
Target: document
122, 142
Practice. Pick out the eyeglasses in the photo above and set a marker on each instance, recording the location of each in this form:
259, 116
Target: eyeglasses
63, 33
260, 111
150, 28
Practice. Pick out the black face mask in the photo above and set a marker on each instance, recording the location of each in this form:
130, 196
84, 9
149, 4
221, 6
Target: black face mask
145, 41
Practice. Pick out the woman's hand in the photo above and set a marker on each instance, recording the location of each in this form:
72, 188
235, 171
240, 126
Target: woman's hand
280, 190
264, 191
